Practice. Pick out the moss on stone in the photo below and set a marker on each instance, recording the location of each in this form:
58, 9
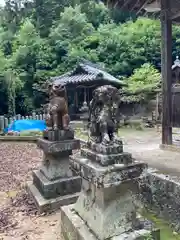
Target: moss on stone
167, 233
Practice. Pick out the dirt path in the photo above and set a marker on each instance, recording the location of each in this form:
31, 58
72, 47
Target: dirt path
144, 147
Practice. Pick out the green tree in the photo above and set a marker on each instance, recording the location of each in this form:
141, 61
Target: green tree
39, 39
10, 84
13, 85
72, 28
127, 46
24, 59
97, 13
3, 92
46, 12
142, 83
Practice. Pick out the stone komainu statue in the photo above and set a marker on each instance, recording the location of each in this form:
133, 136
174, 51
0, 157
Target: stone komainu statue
104, 114
57, 110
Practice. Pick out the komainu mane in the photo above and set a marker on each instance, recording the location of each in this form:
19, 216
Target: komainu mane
103, 114
57, 111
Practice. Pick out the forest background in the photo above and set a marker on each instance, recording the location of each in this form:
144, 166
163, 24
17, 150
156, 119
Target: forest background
43, 38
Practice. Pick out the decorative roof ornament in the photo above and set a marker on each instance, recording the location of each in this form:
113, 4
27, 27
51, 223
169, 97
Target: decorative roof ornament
176, 63
154, 6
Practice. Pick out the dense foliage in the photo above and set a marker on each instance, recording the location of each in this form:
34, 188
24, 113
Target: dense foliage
43, 38
142, 84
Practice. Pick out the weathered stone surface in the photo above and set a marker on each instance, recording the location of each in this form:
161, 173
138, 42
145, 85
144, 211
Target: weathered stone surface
161, 194
56, 157
57, 116
59, 146
107, 202
107, 196
55, 166
103, 149
106, 159
74, 228
104, 115
105, 176
112, 209
46, 205
142, 234
55, 180
58, 135
60, 187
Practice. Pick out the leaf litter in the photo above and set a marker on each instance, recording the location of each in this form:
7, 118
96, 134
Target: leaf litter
17, 161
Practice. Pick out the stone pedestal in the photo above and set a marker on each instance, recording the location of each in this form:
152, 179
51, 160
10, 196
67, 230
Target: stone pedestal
54, 184
106, 206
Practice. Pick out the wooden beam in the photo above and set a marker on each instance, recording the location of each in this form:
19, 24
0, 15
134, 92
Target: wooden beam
176, 15
142, 5
118, 3
166, 64
134, 5
126, 3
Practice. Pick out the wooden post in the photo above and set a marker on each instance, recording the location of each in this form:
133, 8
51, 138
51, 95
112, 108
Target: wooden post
1, 123
157, 106
166, 64
76, 98
85, 97
88, 100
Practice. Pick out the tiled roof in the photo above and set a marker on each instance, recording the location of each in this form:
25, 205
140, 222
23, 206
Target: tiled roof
75, 78
99, 72
86, 73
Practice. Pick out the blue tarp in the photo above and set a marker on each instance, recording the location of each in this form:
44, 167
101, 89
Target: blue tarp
25, 125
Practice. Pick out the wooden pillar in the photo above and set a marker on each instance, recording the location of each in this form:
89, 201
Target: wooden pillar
157, 106
85, 97
166, 64
77, 102
75, 98
88, 97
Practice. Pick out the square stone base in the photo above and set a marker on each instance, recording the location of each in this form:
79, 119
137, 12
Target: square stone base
58, 135
59, 187
46, 205
73, 227
57, 147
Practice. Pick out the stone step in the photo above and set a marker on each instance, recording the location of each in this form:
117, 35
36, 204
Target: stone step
107, 150
60, 187
47, 205
73, 227
105, 176
105, 160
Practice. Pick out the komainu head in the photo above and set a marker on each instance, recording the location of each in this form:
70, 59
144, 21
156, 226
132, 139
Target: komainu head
106, 94
56, 89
